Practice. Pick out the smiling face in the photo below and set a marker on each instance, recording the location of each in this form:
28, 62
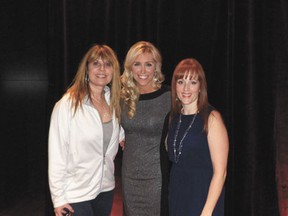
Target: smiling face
143, 70
188, 87
187, 90
100, 73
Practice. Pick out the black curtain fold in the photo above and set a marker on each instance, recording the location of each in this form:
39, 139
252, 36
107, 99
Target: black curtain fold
280, 36
254, 104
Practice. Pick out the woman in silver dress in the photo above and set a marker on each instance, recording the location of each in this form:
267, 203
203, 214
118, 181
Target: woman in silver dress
146, 102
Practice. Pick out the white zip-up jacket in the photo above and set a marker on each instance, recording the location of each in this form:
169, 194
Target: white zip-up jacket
78, 170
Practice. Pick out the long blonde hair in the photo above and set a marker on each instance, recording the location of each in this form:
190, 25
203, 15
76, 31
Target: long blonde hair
130, 91
80, 85
195, 68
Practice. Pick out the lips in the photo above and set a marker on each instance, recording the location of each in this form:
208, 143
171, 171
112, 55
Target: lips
186, 95
101, 75
143, 77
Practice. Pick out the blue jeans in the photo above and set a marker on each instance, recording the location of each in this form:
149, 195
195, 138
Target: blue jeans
100, 206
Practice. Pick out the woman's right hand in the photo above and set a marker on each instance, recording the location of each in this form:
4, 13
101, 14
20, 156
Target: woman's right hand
60, 211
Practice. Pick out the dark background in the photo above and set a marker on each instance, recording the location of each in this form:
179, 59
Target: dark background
242, 45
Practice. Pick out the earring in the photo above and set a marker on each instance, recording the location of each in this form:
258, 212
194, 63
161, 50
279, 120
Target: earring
155, 77
86, 78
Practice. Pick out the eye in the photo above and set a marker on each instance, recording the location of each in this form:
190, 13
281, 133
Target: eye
108, 64
149, 64
194, 82
180, 82
136, 64
96, 64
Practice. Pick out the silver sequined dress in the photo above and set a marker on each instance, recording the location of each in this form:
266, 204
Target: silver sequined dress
141, 174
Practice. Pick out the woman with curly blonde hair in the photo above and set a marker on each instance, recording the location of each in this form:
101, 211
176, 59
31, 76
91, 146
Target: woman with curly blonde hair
146, 101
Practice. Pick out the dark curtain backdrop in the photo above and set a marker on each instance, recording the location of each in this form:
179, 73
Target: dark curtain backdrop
23, 90
242, 45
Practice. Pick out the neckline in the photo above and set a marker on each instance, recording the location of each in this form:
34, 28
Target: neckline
188, 114
108, 122
154, 94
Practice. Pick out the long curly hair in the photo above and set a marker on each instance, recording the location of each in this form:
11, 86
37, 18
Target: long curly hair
130, 92
80, 85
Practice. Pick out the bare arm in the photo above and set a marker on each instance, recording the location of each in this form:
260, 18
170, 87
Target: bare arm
219, 147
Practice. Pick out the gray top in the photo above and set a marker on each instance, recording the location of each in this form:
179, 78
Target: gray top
141, 173
107, 132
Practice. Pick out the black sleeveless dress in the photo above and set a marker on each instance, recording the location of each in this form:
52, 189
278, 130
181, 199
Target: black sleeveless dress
190, 177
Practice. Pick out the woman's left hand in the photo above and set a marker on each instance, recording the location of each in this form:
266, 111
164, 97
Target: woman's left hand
122, 144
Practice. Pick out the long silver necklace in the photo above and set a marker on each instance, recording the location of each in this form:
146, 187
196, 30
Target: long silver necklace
177, 156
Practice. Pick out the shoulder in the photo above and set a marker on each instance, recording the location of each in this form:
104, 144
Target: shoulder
65, 100
215, 119
210, 108
165, 95
63, 104
214, 114
165, 91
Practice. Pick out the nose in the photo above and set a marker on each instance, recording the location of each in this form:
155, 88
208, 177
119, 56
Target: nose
102, 66
142, 69
186, 86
